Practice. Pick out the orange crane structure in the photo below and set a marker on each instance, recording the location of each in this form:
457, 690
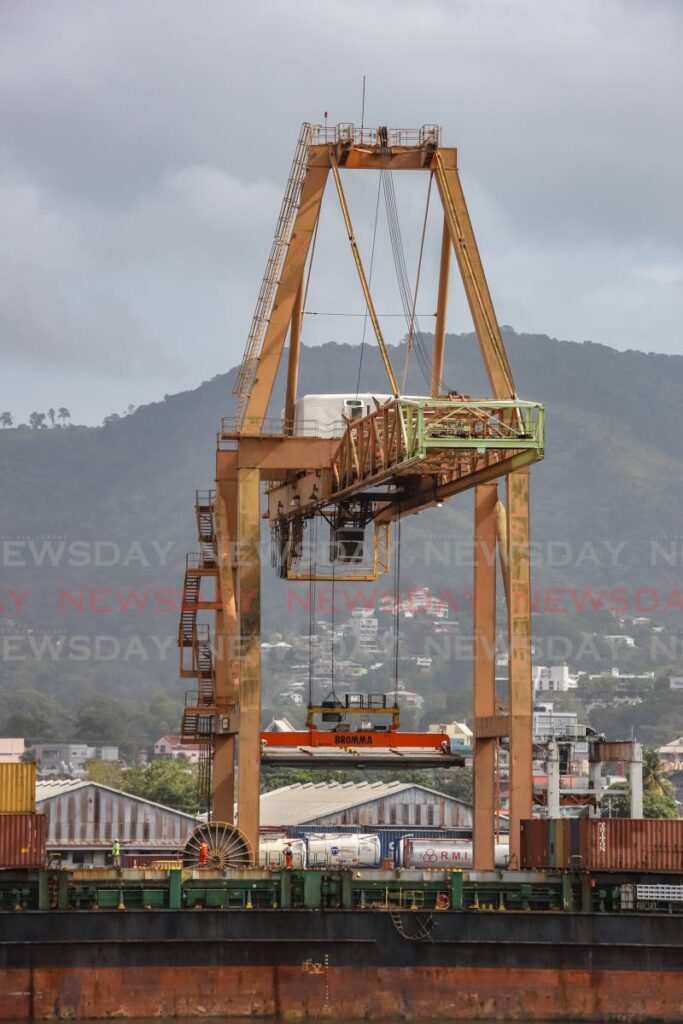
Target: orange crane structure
392, 457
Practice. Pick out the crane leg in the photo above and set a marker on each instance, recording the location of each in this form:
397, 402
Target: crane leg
249, 605
519, 640
227, 660
484, 682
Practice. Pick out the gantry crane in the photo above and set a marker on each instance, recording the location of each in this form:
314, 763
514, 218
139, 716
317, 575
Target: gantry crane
389, 458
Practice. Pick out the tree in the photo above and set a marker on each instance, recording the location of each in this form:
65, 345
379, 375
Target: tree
107, 773
34, 716
655, 779
172, 783
64, 415
111, 418
616, 803
51, 414
37, 420
6, 419
656, 806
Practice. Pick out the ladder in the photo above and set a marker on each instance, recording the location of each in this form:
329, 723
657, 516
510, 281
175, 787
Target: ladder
271, 278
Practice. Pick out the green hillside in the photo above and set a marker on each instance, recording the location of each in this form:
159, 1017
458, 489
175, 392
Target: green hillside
606, 514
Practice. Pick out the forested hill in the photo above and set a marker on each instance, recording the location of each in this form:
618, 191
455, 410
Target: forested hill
607, 505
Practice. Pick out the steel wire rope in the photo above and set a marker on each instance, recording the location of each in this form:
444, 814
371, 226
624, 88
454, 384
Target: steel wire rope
372, 264
334, 695
398, 254
413, 313
405, 290
397, 597
312, 608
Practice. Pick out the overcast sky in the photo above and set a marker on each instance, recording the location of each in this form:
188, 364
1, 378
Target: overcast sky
145, 145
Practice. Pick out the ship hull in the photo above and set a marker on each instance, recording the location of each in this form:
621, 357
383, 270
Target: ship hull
298, 965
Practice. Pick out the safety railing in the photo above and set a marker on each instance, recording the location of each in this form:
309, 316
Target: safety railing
345, 132
232, 428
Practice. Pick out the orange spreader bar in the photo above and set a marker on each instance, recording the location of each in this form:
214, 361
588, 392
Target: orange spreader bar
364, 738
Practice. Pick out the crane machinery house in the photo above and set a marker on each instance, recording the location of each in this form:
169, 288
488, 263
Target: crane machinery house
327, 415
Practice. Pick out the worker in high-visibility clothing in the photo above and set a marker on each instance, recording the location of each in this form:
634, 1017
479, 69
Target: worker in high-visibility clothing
116, 854
203, 854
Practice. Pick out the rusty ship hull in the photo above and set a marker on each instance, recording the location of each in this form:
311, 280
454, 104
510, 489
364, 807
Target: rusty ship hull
303, 964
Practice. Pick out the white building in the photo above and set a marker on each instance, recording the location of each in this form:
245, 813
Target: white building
68, 760
553, 678
619, 640
676, 683
550, 725
171, 748
364, 627
11, 749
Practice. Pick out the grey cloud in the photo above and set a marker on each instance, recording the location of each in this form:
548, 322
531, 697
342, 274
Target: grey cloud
146, 146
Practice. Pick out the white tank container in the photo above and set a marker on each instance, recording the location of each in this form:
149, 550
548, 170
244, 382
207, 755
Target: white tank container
443, 853
344, 851
271, 852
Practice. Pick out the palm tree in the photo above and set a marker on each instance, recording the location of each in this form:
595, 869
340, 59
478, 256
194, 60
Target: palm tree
37, 420
51, 414
6, 419
64, 415
655, 779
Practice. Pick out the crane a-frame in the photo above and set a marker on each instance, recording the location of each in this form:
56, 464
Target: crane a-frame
398, 457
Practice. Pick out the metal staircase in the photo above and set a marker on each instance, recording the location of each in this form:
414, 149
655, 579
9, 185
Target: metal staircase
197, 724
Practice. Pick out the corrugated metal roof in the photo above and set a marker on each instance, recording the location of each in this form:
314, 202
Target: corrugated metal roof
47, 788
304, 802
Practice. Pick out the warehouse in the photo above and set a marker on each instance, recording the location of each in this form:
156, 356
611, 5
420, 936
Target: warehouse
84, 818
369, 805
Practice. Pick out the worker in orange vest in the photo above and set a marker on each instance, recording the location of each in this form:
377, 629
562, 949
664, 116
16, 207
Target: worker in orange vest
203, 854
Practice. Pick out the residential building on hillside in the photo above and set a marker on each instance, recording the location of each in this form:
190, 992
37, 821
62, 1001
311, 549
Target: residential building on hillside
619, 640
459, 733
671, 755
68, 760
555, 678
11, 749
170, 747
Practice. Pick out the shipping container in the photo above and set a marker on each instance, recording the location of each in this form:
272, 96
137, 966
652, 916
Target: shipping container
22, 841
607, 844
625, 844
534, 844
17, 787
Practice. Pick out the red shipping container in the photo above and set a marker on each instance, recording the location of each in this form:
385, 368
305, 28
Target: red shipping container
22, 840
631, 844
534, 850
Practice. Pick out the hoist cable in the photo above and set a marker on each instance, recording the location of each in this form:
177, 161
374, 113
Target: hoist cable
397, 603
402, 275
334, 695
421, 354
413, 314
312, 608
372, 263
